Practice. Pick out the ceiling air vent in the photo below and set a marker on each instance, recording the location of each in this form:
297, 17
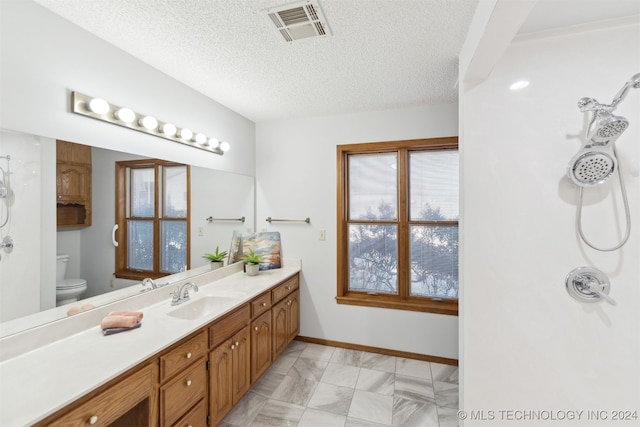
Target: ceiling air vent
300, 20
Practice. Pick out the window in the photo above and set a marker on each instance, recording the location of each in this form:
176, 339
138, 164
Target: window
398, 225
153, 215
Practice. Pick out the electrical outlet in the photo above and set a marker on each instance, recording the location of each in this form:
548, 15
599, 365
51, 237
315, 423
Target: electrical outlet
113, 283
200, 231
323, 235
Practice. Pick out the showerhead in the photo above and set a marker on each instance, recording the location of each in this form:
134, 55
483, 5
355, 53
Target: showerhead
607, 128
592, 166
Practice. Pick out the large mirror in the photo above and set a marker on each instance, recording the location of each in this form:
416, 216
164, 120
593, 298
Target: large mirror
219, 200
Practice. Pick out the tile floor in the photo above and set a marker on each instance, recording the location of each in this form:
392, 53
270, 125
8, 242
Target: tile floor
313, 385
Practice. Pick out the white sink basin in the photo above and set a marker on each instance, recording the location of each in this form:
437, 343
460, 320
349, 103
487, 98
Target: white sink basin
201, 307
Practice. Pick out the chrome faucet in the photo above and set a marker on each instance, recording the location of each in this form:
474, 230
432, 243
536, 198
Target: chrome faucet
150, 281
181, 295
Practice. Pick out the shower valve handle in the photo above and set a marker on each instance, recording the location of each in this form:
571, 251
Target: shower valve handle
596, 288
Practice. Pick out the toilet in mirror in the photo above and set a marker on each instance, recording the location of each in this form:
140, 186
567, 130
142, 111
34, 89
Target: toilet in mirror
67, 289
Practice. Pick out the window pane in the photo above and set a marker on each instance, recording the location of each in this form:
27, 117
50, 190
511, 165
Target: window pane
434, 261
373, 184
175, 194
173, 257
140, 245
373, 258
142, 192
433, 185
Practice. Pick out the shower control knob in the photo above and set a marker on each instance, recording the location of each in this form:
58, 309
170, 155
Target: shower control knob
588, 284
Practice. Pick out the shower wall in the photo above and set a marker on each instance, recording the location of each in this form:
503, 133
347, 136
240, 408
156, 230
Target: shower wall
527, 345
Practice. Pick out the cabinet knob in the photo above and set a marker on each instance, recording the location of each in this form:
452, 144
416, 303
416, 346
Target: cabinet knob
288, 288
233, 347
264, 304
289, 302
93, 419
237, 343
188, 355
188, 383
255, 328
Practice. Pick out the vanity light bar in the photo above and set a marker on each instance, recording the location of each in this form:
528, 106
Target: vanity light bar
100, 109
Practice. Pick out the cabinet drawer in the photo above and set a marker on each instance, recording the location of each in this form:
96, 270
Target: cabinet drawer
285, 289
260, 305
197, 417
181, 356
228, 325
182, 392
111, 404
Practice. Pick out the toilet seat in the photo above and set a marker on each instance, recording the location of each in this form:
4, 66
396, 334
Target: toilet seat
71, 283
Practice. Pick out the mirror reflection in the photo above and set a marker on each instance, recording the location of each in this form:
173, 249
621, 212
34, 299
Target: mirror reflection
74, 262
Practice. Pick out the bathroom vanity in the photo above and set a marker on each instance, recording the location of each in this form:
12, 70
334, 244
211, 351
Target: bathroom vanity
187, 365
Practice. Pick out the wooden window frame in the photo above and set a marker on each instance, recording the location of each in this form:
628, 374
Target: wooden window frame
122, 272
403, 300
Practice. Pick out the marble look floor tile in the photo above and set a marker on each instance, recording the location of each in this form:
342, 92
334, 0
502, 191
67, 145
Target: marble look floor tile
448, 417
294, 390
376, 381
414, 388
354, 422
278, 414
444, 373
378, 362
318, 352
373, 407
267, 383
346, 356
309, 369
245, 410
331, 398
282, 364
295, 348
315, 418
344, 375
413, 368
446, 394
413, 413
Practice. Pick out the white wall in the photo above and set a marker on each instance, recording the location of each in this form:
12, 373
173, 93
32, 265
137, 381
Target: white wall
296, 178
526, 344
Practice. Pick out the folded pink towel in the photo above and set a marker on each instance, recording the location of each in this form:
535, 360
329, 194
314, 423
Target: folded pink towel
137, 314
76, 310
118, 321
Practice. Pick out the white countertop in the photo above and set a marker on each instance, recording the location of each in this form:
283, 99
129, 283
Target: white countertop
45, 379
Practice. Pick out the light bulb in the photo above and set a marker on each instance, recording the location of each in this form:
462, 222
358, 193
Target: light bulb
521, 84
168, 129
214, 143
224, 146
125, 115
200, 138
98, 106
185, 134
149, 123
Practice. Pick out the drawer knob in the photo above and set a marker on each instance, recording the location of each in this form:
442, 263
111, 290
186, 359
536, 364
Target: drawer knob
288, 288
93, 419
188, 383
255, 328
264, 304
188, 355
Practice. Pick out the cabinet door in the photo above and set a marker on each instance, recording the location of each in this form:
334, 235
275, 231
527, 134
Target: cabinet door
293, 312
260, 345
241, 379
220, 380
279, 325
72, 183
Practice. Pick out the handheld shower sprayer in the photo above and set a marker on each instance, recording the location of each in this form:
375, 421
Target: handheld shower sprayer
597, 159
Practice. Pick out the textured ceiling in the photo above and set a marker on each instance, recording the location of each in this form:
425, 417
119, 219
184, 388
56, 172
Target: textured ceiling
382, 55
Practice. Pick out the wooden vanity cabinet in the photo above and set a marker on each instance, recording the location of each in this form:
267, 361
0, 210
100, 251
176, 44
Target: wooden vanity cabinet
129, 401
229, 362
285, 314
183, 381
73, 184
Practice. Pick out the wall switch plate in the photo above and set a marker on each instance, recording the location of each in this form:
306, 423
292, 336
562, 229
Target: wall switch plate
200, 231
323, 235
